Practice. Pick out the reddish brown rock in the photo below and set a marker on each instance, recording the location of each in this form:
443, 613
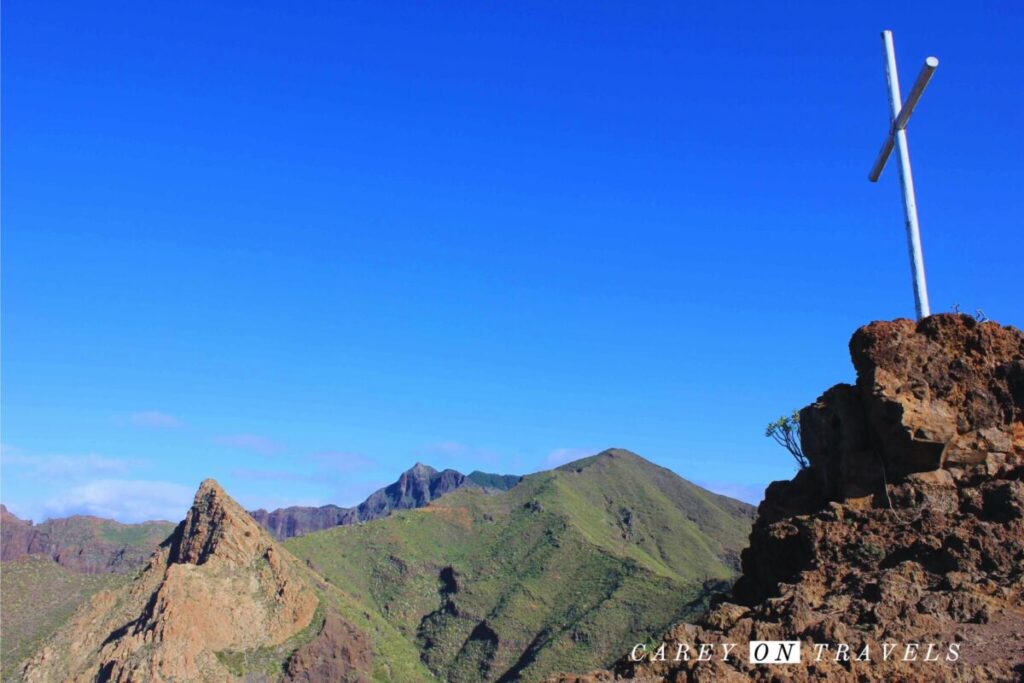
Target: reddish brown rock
943, 392
340, 653
15, 536
82, 543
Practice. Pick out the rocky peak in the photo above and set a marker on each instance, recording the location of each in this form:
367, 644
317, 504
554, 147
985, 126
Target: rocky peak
416, 480
216, 524
219, 584
416, 487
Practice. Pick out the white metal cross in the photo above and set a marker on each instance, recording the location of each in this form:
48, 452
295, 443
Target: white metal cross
898, 137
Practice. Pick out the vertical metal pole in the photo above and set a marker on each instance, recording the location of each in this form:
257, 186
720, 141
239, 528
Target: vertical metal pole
907, 181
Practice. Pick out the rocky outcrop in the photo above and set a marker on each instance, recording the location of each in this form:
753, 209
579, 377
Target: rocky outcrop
15, 536
901, 547
219, 585
415, 488
340, 653
945, 393
84, 544
297, 520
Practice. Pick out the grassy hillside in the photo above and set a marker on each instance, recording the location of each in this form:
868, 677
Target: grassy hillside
564, 571
36, 596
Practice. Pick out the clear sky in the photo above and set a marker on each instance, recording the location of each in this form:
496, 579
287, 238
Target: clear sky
298, 247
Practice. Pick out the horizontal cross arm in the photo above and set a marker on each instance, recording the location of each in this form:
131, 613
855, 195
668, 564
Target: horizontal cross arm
915, 93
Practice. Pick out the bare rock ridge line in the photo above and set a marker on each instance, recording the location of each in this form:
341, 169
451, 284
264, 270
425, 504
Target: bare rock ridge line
84, 544
219, 584
416, 487
908, 526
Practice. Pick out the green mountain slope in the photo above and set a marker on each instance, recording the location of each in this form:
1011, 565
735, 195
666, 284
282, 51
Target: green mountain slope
564, 571
37, 595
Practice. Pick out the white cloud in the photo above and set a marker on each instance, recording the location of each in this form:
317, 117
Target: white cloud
250, 442
125, 500
67, 466
560, 456
154, 419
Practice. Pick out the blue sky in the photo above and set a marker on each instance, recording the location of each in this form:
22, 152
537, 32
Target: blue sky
299, 247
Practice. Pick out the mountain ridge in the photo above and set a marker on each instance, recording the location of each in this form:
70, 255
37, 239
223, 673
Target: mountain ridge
501, 587
82, 543
474, 586
415, 487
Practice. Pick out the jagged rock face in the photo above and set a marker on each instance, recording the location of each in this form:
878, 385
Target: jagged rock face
298, 520
82, 544
945, 393
213, 523
908, 527
219, 584
415, 488
942, 393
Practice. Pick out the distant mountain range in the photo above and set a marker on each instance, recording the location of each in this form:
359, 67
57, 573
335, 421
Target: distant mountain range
571, 565
84, 544
415, 488
92, 545
565, 568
